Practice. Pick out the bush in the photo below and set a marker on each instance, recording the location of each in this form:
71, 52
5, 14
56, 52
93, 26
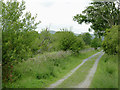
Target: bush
87, 38
96, 42
78, 45
110, 43
69, 41
45, 40
17, 34
68, 38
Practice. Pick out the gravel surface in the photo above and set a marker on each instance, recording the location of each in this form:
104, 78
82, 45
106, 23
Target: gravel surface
72, 71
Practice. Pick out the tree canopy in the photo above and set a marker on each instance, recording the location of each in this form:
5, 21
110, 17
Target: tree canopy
110, 44
87, 38
17, 31
101, 15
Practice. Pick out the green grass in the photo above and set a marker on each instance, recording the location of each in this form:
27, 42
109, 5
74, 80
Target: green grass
80, 75
45, 70
106, 75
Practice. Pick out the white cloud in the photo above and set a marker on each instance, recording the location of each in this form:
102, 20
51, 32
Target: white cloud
58, 13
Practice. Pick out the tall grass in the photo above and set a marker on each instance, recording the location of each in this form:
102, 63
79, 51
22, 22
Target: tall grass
106, 75
40, 71
76, 78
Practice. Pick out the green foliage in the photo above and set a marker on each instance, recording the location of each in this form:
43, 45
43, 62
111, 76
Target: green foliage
110, 43
106, 75
45, 40
102, 15
67, 40
96, 42
79, 75
44, 69
17, 33
87, 38
78, 45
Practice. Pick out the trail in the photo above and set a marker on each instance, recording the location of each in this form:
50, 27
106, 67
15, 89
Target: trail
86, 83
71, 72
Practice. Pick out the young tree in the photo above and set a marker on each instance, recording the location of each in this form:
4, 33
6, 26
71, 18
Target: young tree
45, 41
16, 34
15, 30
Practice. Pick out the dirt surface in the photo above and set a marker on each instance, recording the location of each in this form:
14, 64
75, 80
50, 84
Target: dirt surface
87, 81
72, 71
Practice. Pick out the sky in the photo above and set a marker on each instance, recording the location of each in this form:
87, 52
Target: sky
58, 14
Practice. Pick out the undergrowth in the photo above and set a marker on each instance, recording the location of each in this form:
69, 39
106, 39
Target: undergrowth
106, 75
42, 70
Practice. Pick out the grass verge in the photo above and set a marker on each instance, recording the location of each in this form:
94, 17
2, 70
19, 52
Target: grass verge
80, 75
106, 75
41, 72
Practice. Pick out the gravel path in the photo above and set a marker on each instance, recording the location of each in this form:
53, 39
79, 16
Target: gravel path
87, 81
71, 72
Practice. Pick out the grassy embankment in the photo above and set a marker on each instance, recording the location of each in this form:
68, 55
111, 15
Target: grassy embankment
75, 79
106, 75
45, 69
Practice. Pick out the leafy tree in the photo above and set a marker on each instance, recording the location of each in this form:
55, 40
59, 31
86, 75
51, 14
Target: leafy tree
77, 45
87, 38
102, 15
110, 43
69, 41
68, 38
17, 34
16, 29
96, 42
45, 41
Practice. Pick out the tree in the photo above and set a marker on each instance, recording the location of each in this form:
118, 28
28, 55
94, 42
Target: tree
87, 38
68, 38
17, 34
110, 43
96, 42
68, 41
102, 15
45, 41
16, 29
77, 45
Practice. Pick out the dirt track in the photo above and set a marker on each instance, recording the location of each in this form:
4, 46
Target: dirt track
87, 81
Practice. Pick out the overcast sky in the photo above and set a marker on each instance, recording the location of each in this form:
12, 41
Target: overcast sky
57, 14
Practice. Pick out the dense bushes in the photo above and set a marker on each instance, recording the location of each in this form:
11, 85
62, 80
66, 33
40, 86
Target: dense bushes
110, 43
106, 75
45, 40
40, 67
87, 38
96, 42
68, 41
21, 41
17, 34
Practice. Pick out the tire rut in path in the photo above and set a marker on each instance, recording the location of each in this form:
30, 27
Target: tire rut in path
86, 83
71, 72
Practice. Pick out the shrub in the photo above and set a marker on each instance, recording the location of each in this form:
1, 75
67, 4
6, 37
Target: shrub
87, 38
17, 34
67, 40
96, 42
78, 45
110, 43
